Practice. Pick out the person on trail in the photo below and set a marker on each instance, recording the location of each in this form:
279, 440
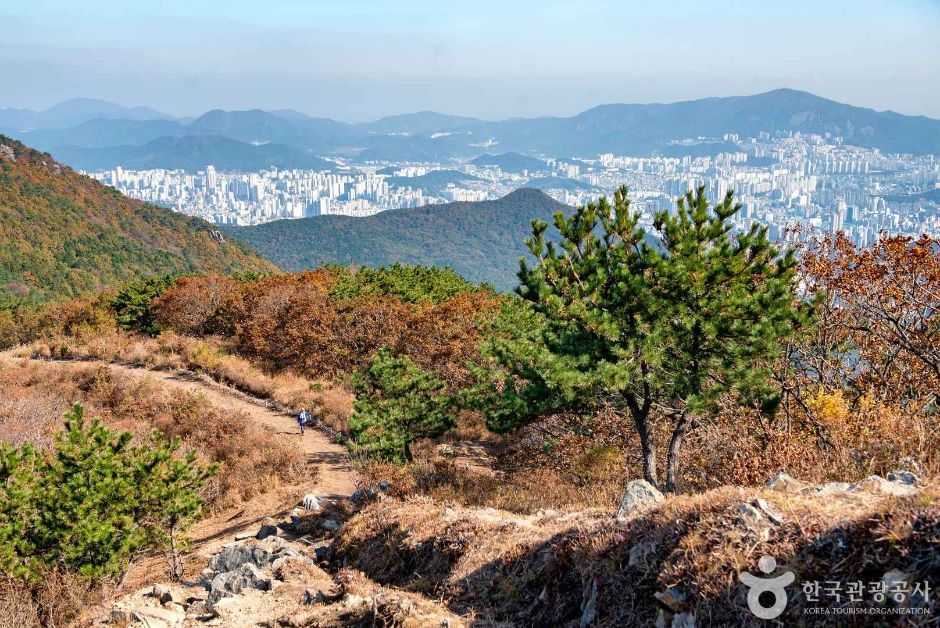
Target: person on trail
302, 420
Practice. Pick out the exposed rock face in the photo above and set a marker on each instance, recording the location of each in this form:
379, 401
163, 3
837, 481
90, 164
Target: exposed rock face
768, 510
314, 503
247, 576
638, 496
897, 483
251, 582
588, 604
234, 556
878, 484
331, 525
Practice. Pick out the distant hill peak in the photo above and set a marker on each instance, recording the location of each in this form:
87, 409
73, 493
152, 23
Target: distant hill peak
481, 240
510, 162
530, 195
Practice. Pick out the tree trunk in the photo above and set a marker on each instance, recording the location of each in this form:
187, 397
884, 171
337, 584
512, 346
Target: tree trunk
647, 439
176, 563
648, 447
675, 445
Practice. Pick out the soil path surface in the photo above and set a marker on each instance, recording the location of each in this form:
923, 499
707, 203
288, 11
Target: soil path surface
336, 478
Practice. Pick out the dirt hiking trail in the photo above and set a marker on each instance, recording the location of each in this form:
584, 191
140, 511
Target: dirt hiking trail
336, 479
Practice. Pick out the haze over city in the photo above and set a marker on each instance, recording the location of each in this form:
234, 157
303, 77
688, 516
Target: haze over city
356, 61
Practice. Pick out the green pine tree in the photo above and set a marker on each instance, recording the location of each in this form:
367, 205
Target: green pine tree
396, 404
132, 304
656, 330
95, 502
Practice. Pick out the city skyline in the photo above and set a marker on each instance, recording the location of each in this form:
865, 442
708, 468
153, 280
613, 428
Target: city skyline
783, 180
357, 62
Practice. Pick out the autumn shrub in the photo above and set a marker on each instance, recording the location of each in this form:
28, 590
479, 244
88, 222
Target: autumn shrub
331, 322
81, 318
833, 441
192, 304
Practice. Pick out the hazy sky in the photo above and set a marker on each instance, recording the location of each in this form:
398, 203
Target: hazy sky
361, 59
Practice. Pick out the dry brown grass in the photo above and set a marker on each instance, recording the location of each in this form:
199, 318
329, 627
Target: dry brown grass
55, 601
535, 570
524, 492
252, 460
209, 356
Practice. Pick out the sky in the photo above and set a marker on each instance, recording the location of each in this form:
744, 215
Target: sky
357, 60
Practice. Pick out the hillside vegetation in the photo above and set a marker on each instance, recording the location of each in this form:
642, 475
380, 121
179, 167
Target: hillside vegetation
64, 235
494, 435
482, 241
435, 182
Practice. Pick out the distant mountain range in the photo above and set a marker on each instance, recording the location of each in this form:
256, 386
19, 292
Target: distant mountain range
64, 235
192, 152
72, 112
631, 129
482, 241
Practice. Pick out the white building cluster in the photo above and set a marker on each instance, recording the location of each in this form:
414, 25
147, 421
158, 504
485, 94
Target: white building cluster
781, 180
257, 197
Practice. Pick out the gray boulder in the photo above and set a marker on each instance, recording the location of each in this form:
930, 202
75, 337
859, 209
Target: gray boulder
266, 530
638, 496
903, 477
314, 503
588, 603
768, 510
234, 556
247, 576
783, 482
878, 484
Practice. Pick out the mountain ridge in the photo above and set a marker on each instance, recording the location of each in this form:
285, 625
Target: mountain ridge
75, 111
481, 240
621, 128
192, 153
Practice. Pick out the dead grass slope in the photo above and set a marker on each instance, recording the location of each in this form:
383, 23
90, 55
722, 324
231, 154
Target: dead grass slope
553, 569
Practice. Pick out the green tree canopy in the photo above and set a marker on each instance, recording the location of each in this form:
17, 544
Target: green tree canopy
396, 404
132, 303
95, 502
656, 329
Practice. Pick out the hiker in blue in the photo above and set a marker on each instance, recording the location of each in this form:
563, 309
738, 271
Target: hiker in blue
302, 420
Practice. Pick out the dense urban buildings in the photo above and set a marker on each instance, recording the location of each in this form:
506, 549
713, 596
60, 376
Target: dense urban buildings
782, 180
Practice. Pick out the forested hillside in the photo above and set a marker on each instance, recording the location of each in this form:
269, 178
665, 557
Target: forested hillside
482, 241
63, 234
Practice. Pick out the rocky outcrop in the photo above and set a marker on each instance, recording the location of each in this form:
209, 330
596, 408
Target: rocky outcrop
327, 568
896, 483
251, 580
638, 496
